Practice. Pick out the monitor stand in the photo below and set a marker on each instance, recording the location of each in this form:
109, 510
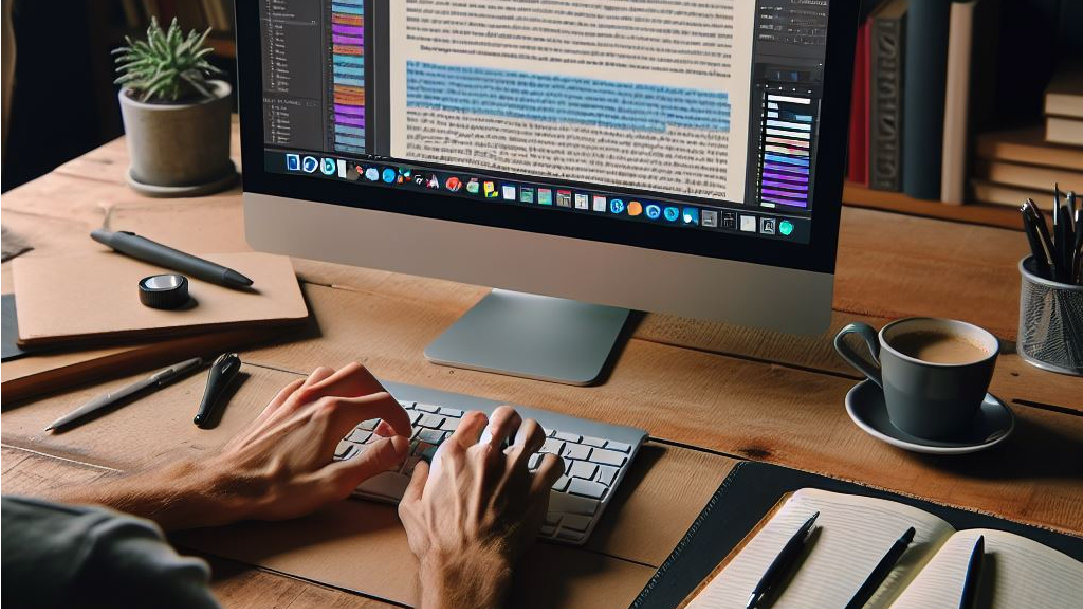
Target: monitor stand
538, 337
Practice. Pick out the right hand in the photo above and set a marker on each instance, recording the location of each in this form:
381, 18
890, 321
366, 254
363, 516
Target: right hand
473, 512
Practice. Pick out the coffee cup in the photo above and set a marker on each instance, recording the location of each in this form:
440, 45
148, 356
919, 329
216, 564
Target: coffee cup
934, 372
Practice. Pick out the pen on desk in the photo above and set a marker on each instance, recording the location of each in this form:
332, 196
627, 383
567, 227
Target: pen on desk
780, 567
109, 400
1037, 246
223, 371
146, 250
968, 599
883, 568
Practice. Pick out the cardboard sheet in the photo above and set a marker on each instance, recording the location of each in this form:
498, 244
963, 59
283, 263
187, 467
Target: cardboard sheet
95, 298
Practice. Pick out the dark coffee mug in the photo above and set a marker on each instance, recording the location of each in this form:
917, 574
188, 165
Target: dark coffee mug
928, 399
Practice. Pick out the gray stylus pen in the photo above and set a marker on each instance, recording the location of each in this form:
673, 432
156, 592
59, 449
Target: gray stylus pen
109, 400
146, 250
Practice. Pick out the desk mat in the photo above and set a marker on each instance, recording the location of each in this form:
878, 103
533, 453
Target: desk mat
752, 489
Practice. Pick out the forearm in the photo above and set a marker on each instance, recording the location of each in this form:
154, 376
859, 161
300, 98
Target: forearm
461, 582
178, 496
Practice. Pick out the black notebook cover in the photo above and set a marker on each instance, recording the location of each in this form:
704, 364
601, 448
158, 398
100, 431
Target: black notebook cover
752, 489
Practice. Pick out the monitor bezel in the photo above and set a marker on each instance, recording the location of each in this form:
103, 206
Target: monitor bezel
818, 255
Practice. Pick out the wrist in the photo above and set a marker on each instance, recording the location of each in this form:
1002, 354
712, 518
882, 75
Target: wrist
476, 579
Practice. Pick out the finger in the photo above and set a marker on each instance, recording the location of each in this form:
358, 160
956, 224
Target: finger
318, 375
530, 437
383, 429
502, 425
279, 399
344, 476
351, 380
469, 430
346, 413
417, 483
549, 471
302, 395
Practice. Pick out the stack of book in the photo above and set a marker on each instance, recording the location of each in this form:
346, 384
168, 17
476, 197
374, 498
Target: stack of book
1014, 165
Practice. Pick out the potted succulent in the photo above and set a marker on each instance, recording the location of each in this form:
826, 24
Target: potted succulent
177, 120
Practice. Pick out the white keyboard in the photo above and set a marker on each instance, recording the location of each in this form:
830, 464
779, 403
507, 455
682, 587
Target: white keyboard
596, 456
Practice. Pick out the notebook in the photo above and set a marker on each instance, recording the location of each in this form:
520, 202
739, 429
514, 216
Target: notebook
853, 533
95, 298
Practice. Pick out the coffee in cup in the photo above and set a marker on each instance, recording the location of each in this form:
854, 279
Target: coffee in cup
934, 372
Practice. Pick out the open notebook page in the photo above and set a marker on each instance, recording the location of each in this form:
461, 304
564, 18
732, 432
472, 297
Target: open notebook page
1017, 573
853, 535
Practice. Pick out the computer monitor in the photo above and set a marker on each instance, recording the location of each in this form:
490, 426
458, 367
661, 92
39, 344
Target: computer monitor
676, 156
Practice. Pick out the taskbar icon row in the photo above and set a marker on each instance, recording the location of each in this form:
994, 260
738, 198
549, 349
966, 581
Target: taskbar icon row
540, 195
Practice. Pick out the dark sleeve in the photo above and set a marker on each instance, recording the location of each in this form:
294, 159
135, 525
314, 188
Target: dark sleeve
76, 556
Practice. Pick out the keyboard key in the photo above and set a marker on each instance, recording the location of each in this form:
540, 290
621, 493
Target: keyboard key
561, 483
554, 517
567, 437
621, 446
552, 446
450, 424
430, 436
592, 441
570, 504
428, 408
607, 457
386, 484
407, 404
369, 425
586, 488
576, 451
344, 448
427, 452
534, 461
358, 436
451, 412
431, 421
547, 531
576, 523
570, 535
582, 469
415, 416
606, 475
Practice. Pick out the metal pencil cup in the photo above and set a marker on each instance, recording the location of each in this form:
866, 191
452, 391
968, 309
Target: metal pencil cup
1050, 323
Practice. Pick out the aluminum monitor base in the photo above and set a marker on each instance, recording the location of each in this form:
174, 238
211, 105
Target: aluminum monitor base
538, 337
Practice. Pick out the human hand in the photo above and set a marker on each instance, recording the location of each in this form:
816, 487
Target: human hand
476, 509
280, 467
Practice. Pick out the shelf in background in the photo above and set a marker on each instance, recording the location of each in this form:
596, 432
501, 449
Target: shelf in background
856, 195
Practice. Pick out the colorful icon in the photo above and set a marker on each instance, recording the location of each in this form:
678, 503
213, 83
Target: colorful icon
785, 228
582, 201
420, 180
545, 196
564, 198
748, 223
473, 186
433, 182
526, 194
767, 226
616, 206
671, 214
729, 220
293, 162
690, 215
599, 203
653, 211
453, 184
488, 188
328, 166
508, 191
310, 164
404, 175
635, 208
709, 218
390, 175
372, 174
354, 172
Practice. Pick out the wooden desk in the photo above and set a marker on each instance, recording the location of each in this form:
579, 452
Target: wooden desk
708, 393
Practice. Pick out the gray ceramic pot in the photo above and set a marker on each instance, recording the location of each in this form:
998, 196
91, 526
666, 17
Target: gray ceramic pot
179, 149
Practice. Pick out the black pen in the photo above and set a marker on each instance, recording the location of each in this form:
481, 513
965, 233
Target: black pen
146, 250
1037, 248
782, 564
969, 598
222, 373
1043, 233
116, 398
883, 568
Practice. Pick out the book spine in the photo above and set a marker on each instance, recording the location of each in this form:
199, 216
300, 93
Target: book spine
885, 104
924, 74
953, 169
857, 165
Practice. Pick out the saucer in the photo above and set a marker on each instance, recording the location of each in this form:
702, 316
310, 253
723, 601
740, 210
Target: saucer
992, 424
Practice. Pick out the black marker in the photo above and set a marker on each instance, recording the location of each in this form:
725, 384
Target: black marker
782, 564
146, 250
883, 568
222, 373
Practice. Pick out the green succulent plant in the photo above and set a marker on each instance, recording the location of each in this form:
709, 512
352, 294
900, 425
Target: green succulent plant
166, 67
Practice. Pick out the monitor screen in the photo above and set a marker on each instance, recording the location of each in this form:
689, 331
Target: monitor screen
687, 125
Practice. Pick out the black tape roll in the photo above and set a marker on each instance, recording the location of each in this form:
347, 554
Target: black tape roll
164, 291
